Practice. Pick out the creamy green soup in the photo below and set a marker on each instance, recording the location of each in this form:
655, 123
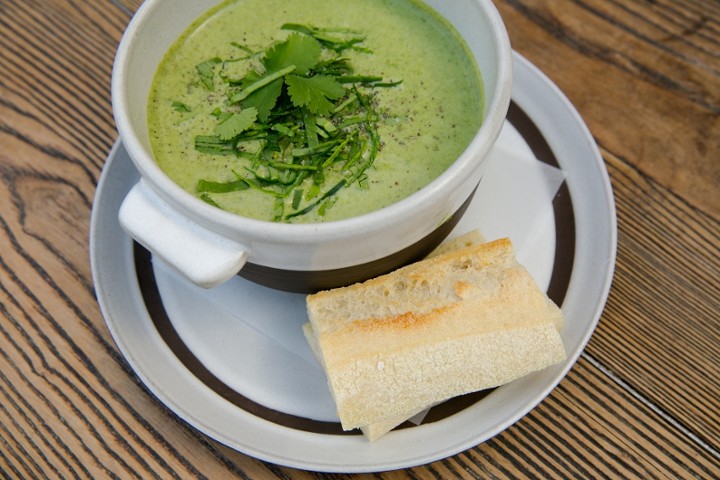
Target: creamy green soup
401, 99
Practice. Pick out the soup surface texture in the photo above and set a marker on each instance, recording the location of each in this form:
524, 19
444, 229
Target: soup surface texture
424, 112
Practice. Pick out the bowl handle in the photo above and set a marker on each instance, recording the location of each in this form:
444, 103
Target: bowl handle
203, 257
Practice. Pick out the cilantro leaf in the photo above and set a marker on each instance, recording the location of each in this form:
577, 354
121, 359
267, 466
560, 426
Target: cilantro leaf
181, 107
206, 70
299, 50
314, 93
236, 123
264, 99
337, 39
253, 82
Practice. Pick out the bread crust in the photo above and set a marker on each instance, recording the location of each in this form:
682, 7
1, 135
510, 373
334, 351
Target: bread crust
462, 321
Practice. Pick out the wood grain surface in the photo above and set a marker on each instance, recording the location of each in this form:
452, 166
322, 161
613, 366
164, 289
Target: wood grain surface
642, 402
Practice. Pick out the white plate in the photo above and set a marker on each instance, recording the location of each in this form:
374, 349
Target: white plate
232, 361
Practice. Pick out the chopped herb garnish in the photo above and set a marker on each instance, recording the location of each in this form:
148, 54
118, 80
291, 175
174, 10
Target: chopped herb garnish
214, 145
298, 50
242, 47
207, 199
205, 186
236, 123
303, 123
314, 93
206, 71
179, 106
336, 39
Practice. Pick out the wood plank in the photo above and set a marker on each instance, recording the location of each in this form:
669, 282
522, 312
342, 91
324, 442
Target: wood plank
589, 427
652, 92
642, 402
663, 335
615, 436
128, 5
57, 87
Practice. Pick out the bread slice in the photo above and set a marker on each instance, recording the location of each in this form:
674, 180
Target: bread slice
375, 430
459, 322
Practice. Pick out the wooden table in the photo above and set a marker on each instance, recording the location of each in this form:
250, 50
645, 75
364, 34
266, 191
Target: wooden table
643, 401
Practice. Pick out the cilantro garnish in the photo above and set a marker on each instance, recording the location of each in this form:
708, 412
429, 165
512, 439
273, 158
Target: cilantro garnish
179, 106
299, 50
206, 71
336, 39
302, 123
236, 123
314, 93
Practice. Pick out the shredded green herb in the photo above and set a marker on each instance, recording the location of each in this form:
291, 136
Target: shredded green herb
300, 119
180, 107
206, 72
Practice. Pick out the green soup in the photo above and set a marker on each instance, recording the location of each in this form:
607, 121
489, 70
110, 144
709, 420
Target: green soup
405, 72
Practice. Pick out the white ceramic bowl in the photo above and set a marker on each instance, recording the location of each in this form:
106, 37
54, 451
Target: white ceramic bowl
208, 245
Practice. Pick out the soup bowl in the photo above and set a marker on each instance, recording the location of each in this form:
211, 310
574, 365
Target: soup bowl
208, 245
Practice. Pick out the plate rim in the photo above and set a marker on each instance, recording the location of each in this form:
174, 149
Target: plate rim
364, 462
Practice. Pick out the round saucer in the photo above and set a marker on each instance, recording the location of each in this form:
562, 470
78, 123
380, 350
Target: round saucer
232, 361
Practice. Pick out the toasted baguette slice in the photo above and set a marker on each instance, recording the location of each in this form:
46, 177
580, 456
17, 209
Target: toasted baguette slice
376, 430
463, 321
372, 431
